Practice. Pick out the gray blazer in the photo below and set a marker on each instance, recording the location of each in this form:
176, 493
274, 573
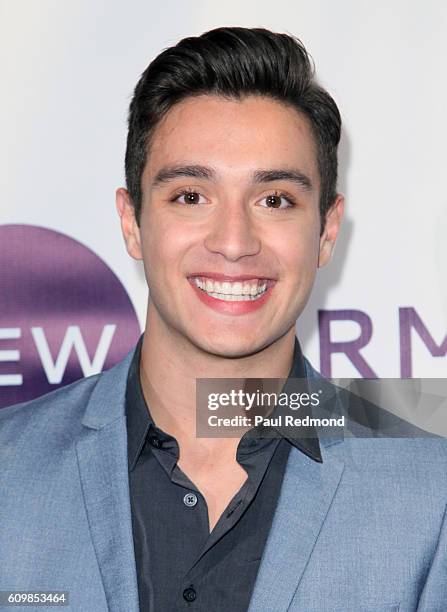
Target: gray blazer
364, 531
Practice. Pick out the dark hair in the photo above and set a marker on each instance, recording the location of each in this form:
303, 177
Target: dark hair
233, 62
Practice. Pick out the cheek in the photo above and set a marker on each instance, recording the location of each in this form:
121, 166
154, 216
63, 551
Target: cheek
297, 251
163, 245
301, 269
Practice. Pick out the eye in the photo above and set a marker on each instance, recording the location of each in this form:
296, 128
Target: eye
277, 200
188, 197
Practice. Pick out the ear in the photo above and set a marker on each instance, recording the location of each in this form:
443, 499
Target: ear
327, 240
129, 225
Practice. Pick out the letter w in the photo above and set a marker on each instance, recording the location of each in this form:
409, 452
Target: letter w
55, 370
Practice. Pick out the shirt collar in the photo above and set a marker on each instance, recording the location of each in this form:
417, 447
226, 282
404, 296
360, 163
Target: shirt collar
308, 444
139, 420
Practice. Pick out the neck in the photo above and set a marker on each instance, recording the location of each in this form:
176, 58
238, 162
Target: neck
170, 364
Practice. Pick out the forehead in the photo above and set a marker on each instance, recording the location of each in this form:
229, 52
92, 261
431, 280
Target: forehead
233, 135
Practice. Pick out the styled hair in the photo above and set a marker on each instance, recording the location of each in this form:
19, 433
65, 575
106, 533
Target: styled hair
233, 62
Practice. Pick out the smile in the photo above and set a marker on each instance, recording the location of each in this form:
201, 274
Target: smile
237, 295
238, 291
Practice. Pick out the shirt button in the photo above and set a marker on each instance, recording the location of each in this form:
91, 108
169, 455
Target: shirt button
155, 442
189, 594
190, 500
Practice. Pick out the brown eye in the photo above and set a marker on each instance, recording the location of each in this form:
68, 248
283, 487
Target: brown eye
277, 200
192, 197
189, 198
273, 201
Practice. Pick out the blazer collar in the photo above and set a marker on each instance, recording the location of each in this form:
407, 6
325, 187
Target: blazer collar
101, 452
307, 493
107, 401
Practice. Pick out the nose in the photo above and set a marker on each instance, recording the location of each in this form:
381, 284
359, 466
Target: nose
232, 232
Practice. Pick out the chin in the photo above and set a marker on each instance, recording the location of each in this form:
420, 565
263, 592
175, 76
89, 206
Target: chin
230, 345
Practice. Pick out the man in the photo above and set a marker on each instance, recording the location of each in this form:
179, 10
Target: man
107, 492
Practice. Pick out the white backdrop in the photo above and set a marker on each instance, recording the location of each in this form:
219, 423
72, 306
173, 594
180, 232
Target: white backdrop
68, 71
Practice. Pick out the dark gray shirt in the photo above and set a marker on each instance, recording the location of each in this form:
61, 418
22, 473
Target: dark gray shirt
180, 565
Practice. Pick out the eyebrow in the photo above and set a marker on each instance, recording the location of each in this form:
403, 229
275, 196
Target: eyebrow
170, 173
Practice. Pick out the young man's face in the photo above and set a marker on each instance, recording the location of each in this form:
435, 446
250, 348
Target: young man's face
230, 223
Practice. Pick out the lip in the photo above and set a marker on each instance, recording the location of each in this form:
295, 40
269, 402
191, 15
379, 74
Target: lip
232, 308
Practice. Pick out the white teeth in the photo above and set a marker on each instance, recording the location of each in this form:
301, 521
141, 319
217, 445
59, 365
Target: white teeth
232, 292
233, 298
237, 289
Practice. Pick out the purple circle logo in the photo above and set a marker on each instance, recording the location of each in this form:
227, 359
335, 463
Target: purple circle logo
63, 313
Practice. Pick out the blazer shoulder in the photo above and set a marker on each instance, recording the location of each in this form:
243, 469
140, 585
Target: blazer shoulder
415, 450
67, 405
62, 408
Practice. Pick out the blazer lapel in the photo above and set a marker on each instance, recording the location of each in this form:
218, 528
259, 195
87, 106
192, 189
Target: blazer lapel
306, 495
103, 468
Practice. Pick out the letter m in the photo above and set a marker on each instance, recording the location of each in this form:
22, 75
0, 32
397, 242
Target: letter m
408, 319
